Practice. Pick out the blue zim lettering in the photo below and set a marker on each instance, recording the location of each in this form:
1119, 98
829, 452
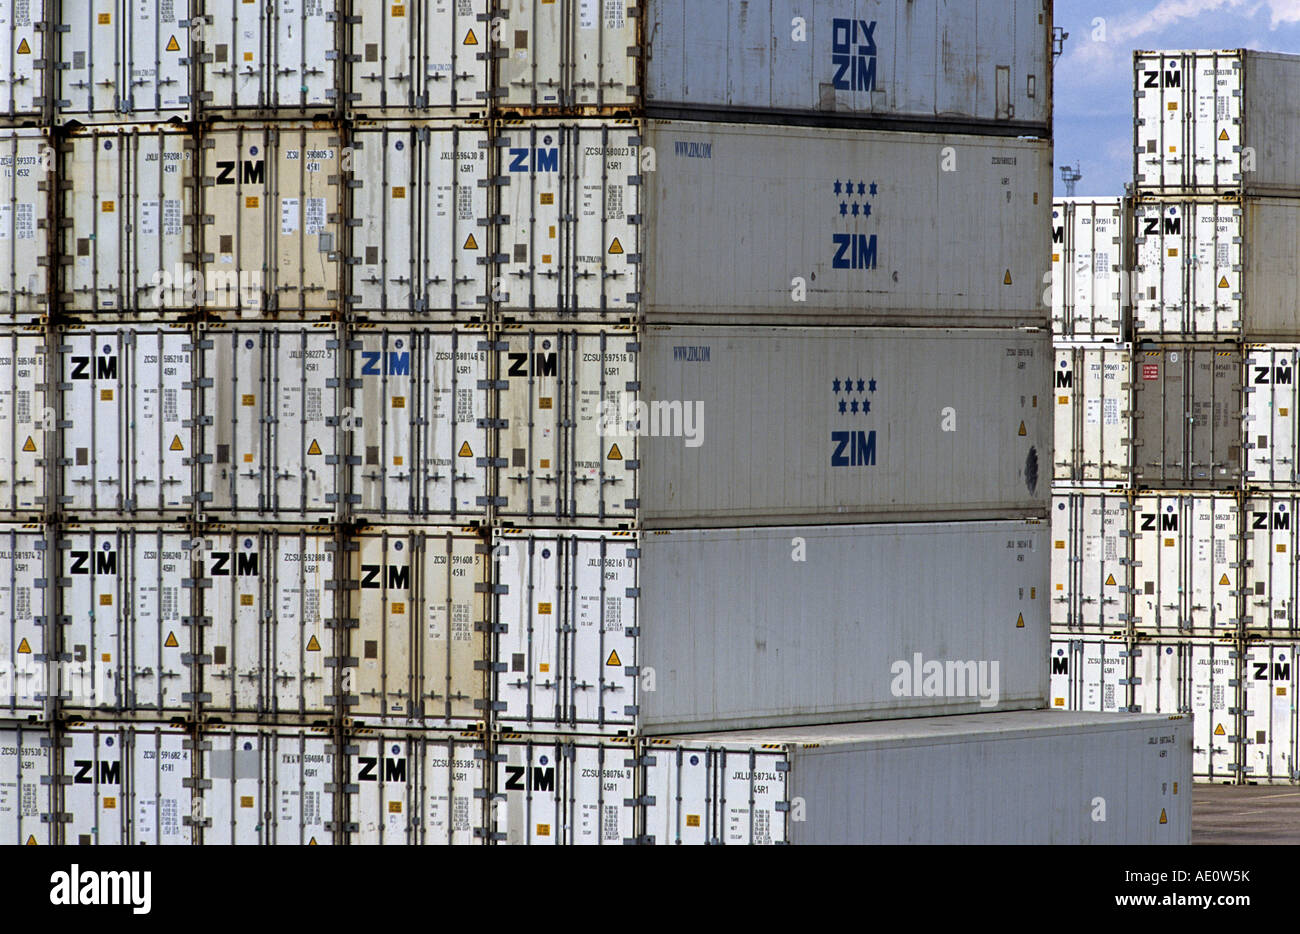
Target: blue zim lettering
856, 251
853, 52
399, 363
853, 449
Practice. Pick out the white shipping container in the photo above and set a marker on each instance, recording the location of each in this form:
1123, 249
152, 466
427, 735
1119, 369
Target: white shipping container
417, 629
1187, 564
27, 640
126, 416
267, 787
26, 807
1215, 122
1200, 678
1090, 280
1272, 401
118, 59
619, 427
127, 212
1207, 269
274, 57
270, 610
127, 784
417, 789
419, 244
1089, 674
417, 422
412, 58
1270, 680
1272, 577
1091, 562
270, 426
271, 218
126, 608
565, 792
26, 161
603, 221
928, 781
22, 60
27, 422
1094, 413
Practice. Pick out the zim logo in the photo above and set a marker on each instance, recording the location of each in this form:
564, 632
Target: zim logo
397, 363
1281, 376
105, 562
254, 172
1172, 225
853, 53
105, 367
110, 773
246, 564
853, 448
544, 364
1151, 79
399, 576
394, 769
854, 251
1281, 671
518, 778
1168, 522
544, 160
1281, 520
1061, 665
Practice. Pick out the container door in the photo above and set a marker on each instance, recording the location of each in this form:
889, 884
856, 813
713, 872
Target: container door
1089, 674
254, 775
275, 55
383, 790
25, 654
1272, 722
1272, 443
1271, 572
27, 420
454, 792
749, 798
566, 794
1090, 562
1187, 572
26, 159
1092, 415
26, 780
23, 28
1215, 695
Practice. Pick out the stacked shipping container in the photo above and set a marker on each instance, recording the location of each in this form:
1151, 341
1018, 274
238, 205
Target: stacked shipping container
400, 451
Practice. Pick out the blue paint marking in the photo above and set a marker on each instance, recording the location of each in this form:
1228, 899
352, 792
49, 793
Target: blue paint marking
853, 53
398, 363
856, 447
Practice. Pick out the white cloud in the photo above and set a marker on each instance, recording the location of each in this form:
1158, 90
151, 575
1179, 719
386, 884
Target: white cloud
1168, 13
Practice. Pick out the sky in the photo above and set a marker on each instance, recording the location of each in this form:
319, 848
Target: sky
1094, 86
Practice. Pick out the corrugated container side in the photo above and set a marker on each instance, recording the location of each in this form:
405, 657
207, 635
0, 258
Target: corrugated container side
1094, 412
1198, 677
1272, 404
26, 164
26, 770
710, 794
1271, 744
27, 641
1272, 575
23, 61
1089, 674
1090, 263
27, 423
1091, 564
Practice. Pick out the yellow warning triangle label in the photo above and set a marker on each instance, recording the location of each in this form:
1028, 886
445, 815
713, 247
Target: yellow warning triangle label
176, 444
614, 453
313, 645
471, 243
312, 842
465, 450
24, 48
1224, 580
470, 38
314, 448
29, 445
1218, 730
1110, 580
1163, 818
24, 648
616, 247
613, 658
173, 45
1022, 431
171, 642
31, 841
1006, 280
1020, 621
1223, 282
1223, 135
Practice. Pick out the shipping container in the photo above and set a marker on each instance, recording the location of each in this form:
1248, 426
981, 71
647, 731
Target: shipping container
267, 787
412, 59
27, 422
1215, 122
1187, 567
1094, 414
270, 611
121, 60
417, 789
23, 62
1208, 269
929, 781
270, 59
271, 218
127, 784
1089, 674
1091, 564
26, 807
126, 416
1270, 680
27, 640
1272, 576
417, 423
127, 245
1187, 416
271, 422
692, 427
565, 791
1199, 678
1272, 404
604, 222
126, 613
1090, 268
419, 245
27, 160
417, 627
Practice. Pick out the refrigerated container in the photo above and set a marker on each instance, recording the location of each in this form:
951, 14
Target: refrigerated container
1187, 416
604, 221
27, 422
1200, 678
1215, 122
1187, 567
1271, 574
1271, 401
28, 644
1270, 680
715, 426
1094, 414
416, 419
929, 781
1090, 268
125, 416
26, 164
127, 244
26, 789
23, 62
417, 627
1090, 673
1091, 564
419, 247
